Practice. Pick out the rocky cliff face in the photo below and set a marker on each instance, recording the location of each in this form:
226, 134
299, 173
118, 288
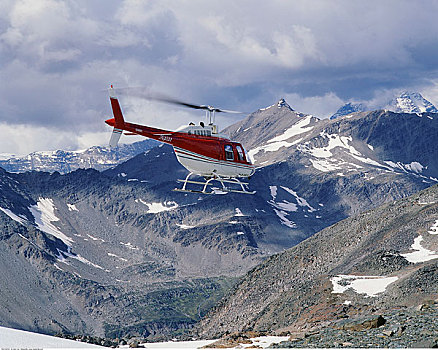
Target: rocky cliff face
375, 262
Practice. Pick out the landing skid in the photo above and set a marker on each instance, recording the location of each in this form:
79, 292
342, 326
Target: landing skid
221, 180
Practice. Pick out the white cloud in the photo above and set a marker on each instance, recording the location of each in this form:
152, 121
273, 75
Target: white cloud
320, 106
431, 92
140, 13
41, 31
23, 139
295, 47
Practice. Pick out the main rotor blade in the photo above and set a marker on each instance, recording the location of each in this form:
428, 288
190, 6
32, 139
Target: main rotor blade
143, 93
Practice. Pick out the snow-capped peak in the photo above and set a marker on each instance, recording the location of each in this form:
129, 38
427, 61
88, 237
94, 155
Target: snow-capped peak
411, 102
282, 103
406, 102
349, 108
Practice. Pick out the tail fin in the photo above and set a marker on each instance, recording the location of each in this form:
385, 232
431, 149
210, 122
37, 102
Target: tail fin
118, 121
117, 111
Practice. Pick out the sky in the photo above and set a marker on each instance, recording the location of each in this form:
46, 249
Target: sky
57, 58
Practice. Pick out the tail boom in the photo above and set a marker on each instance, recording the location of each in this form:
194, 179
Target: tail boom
119, 125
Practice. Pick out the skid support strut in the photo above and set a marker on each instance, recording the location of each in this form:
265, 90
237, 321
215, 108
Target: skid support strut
209, 182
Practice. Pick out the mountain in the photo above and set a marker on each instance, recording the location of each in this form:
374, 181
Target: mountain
406, 102
349, 108
360, 143
86, 253
376, 263
411, 102
96, 157
118, 253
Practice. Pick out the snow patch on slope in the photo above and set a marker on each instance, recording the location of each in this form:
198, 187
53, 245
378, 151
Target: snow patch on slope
129, 245
277, 142
13, 216
420, 254
63, 255
301, 201
369, 285
284, 207
323, 156
44, 214
157, 207
324, 165
238, 212
185, 227
116, 256
284, 220
294, 130
85, 261
273, 190
72, 207
334, 140
415, 167
18, 339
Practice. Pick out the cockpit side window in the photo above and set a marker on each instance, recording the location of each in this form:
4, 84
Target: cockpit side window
229, 155
240, 155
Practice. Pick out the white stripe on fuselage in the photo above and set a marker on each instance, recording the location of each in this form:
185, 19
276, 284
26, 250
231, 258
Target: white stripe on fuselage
197, 156
204, 165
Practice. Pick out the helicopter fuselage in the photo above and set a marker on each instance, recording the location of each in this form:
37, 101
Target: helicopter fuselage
197, 148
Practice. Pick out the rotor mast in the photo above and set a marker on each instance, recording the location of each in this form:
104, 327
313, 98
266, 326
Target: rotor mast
210, 116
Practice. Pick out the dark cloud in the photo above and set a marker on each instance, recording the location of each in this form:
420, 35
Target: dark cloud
57, 56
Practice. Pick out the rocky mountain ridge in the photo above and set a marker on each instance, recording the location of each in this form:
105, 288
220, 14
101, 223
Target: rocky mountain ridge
77, 259
376, 262
349, 108
356, 143
406, 102
411, 102
96, 157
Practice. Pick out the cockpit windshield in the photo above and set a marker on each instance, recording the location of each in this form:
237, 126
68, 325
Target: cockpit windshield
248, 158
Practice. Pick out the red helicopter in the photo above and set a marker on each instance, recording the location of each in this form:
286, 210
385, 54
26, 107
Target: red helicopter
199, 148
